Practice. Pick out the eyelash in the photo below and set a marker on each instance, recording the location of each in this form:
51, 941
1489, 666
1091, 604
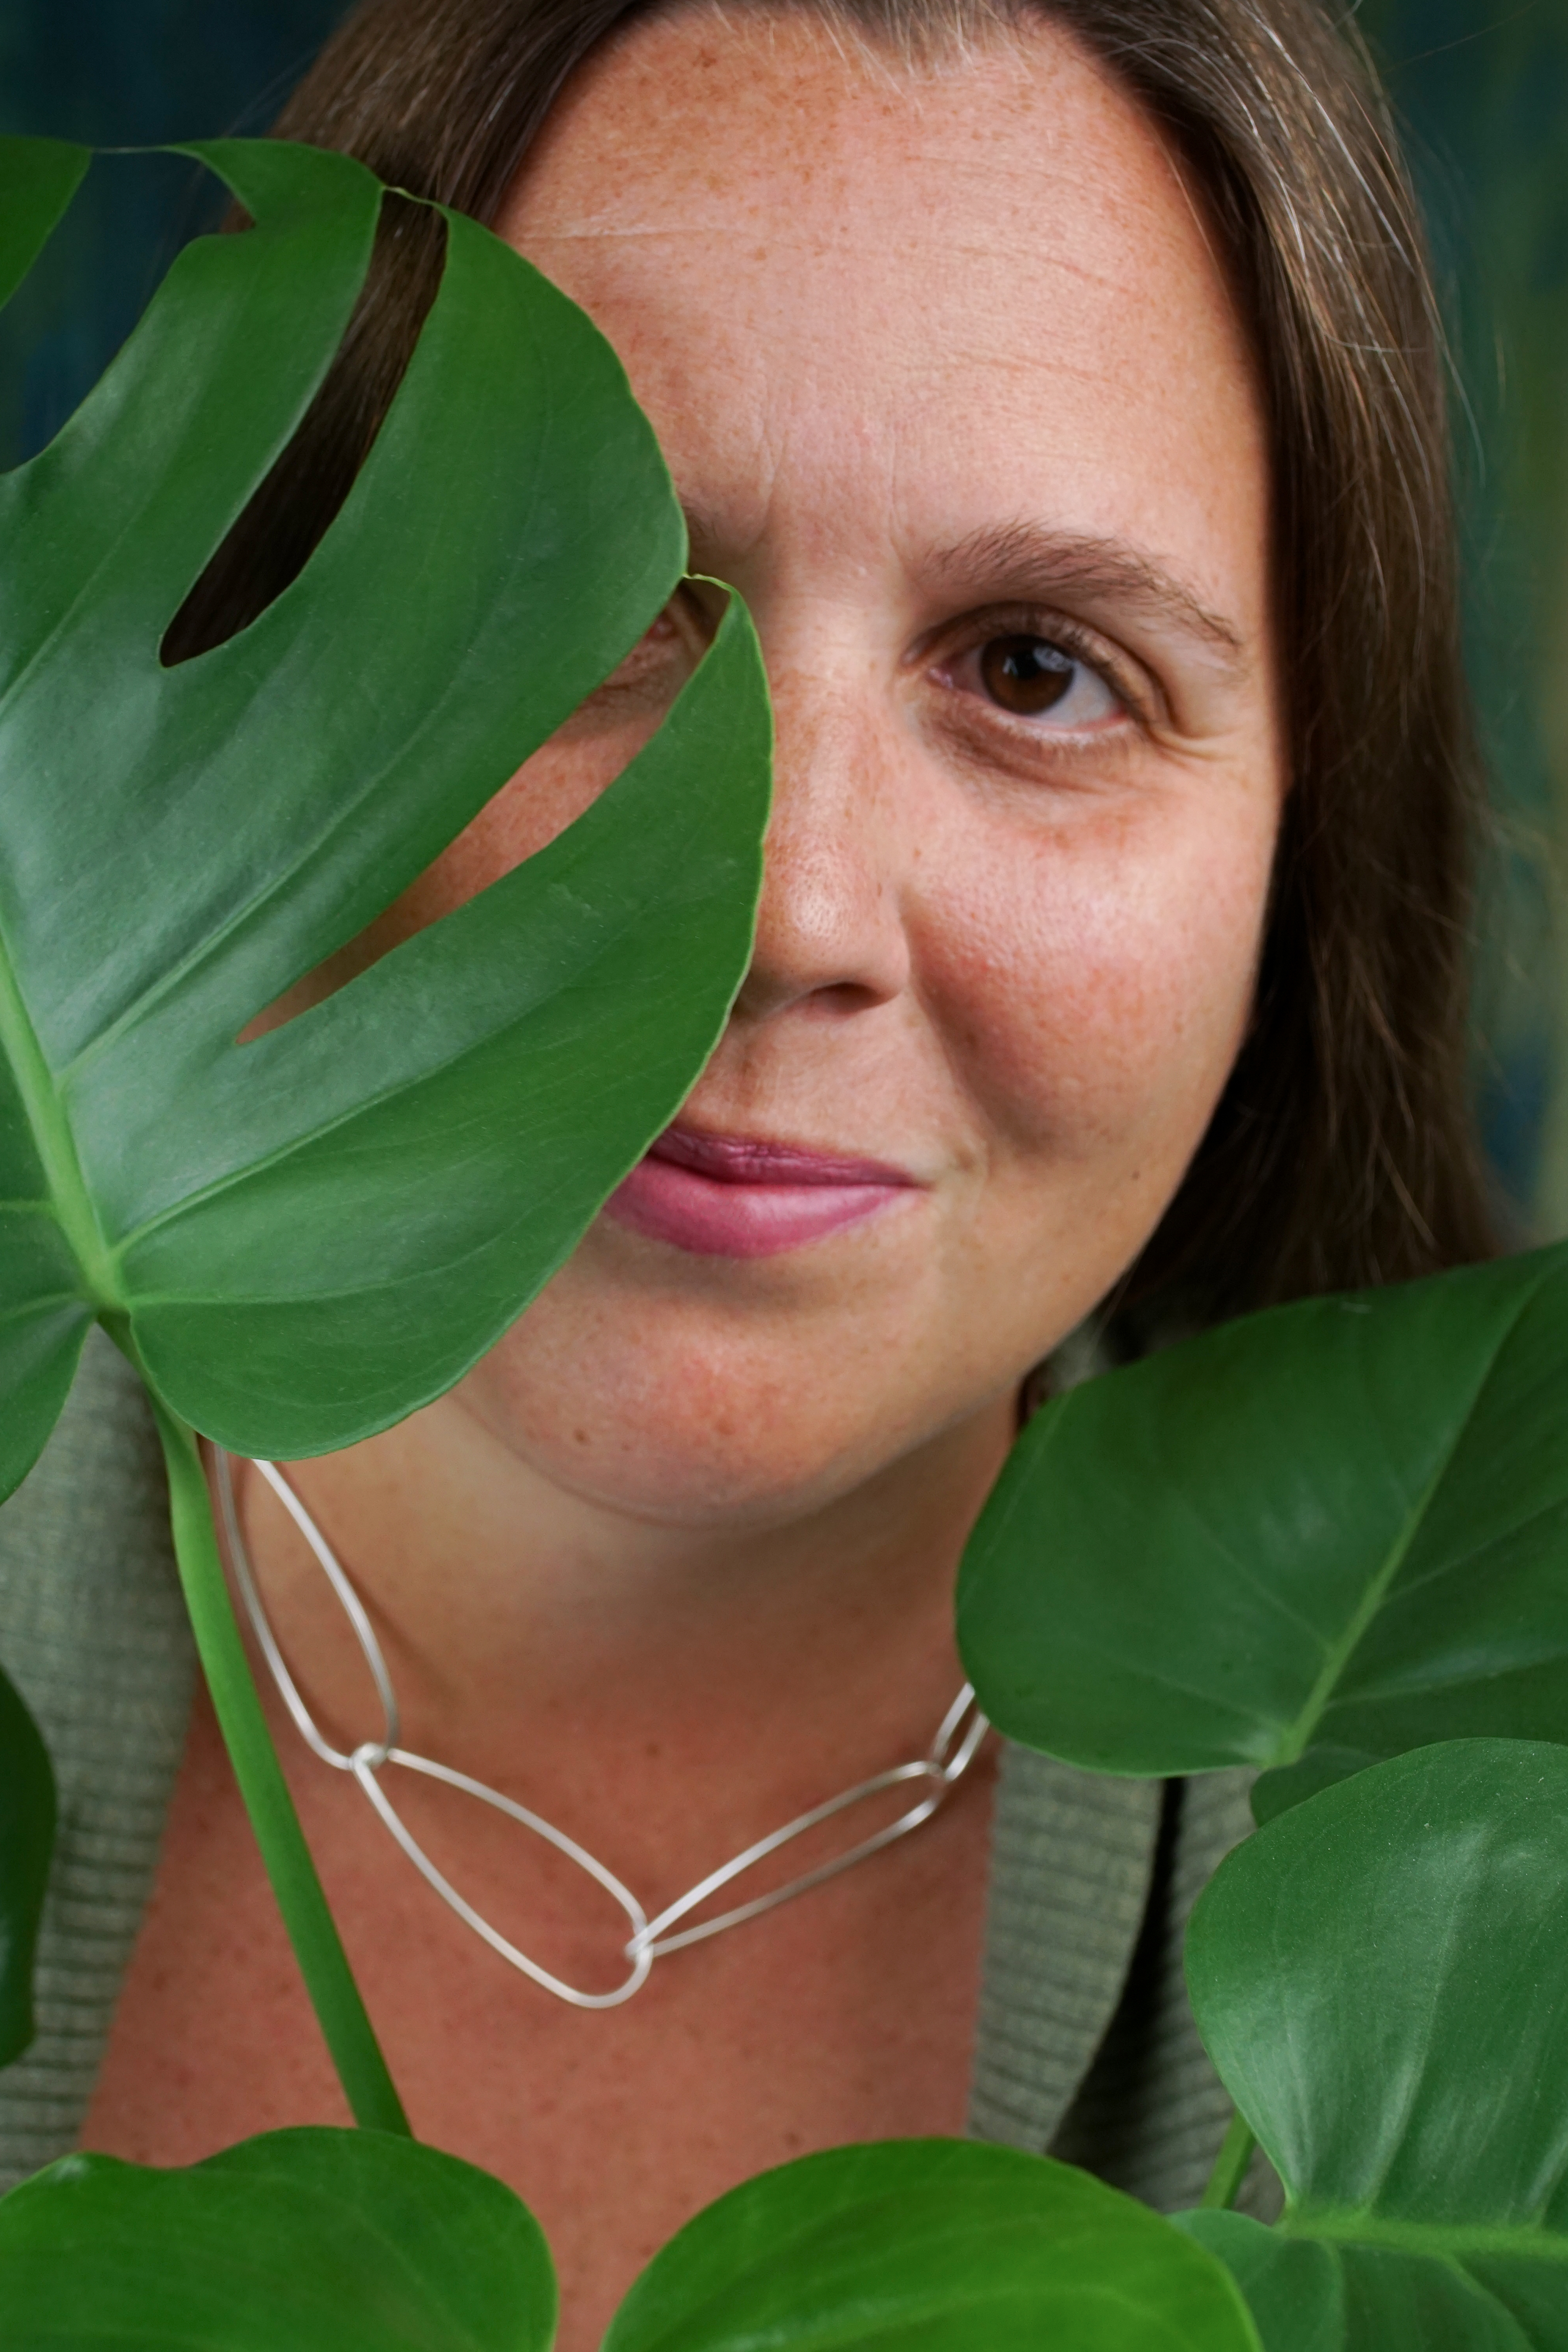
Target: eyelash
1063, 636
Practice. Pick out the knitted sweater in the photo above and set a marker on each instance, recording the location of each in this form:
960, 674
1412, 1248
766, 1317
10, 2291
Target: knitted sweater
1085, 2045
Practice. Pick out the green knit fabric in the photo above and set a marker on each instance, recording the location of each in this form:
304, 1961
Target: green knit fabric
93, 1634
1085, 2044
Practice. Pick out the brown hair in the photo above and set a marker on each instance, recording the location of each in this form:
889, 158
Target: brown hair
1342, 1152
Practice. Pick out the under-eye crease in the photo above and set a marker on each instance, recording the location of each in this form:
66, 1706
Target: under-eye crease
657, 666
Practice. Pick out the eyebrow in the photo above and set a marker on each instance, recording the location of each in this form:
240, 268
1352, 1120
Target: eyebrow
1028, 562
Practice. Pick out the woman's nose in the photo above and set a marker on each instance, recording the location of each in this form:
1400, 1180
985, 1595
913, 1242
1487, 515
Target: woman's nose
830, 928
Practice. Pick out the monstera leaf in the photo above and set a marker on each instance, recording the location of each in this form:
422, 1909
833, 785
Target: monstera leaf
1311, 1539
935, 2246
1381, 1978
302, 1237
322, 2241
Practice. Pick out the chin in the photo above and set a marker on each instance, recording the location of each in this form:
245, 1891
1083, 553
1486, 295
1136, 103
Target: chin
668, 1441
701, 1393
683, 1412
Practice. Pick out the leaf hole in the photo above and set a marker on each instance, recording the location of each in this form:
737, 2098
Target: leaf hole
549, 792
292, 508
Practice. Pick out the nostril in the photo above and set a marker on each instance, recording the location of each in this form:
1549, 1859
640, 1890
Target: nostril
831, 938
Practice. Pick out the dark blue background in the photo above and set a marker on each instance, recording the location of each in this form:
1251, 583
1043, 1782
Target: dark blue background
127, 73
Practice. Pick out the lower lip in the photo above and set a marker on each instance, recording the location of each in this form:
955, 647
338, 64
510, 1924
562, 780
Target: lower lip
712, 1218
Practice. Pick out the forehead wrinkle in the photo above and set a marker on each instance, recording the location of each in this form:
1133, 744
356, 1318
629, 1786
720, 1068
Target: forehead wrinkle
783, 474
1031, 561
627, 210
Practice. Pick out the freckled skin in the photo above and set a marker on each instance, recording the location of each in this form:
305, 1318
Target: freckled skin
867, 319
938, 359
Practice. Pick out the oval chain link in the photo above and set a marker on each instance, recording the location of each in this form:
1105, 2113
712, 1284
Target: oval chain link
951, 1752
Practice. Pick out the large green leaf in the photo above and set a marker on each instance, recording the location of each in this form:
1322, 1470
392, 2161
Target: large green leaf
1381, 1978
306, 1236
315, 2241
26, 1841
1320, 1537
940, 2244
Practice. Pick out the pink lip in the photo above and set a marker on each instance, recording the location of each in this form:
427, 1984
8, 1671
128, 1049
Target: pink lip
742, 1196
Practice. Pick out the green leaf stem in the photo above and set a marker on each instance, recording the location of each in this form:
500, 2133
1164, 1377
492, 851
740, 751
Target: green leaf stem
1317, 1537
318, 2240
929, 2246
323, 1963
1381, 1978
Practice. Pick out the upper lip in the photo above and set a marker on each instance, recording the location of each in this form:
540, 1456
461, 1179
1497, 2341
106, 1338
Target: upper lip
760, 1159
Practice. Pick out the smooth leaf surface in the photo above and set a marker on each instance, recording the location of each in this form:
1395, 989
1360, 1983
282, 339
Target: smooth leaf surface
318, 2240
1320, 1537
1306, 2296
27, 1842
944, 2244
1381, 1978
304, 1237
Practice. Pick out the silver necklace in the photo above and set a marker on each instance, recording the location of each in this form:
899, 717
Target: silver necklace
949, 1757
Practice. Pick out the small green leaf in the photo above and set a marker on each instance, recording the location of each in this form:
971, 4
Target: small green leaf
44, 1318
38, 178
941, 2244
26, 1841
1381, 1978
302, 1238
315, 2240
1311, 1539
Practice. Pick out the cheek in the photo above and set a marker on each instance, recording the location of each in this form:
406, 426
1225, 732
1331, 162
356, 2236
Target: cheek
547, 793
1098, 977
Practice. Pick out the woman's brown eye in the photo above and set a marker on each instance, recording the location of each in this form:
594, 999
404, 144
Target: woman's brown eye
1027, 675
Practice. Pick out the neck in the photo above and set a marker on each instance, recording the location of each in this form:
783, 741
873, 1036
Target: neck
566, 1650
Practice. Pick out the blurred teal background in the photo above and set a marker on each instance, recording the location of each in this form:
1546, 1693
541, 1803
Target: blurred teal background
1482, 87
127, 73
1482, 93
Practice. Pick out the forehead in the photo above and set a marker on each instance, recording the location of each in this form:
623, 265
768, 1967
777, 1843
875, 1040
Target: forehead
970, 288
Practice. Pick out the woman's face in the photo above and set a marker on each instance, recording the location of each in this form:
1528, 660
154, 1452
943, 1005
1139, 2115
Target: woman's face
953, 390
